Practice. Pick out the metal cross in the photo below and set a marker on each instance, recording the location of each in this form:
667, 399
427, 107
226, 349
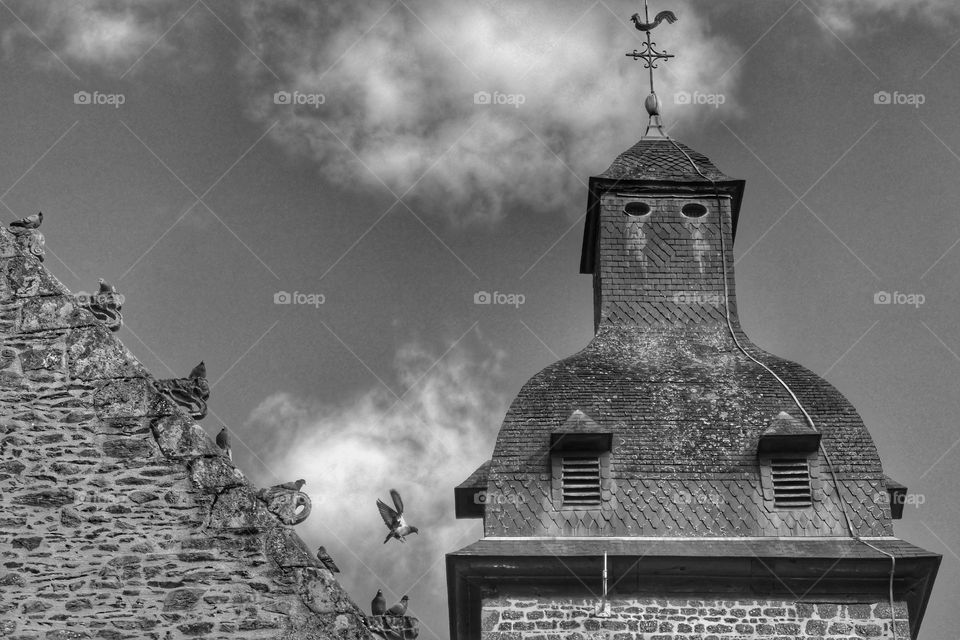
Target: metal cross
649, 54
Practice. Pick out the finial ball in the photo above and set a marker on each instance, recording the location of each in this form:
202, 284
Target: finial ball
652, 103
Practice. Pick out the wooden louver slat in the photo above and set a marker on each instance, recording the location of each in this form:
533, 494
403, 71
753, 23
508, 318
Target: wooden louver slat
580, 479
791, 482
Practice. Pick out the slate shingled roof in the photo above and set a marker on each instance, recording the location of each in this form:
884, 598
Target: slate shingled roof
660, 159
685, 419
684, 405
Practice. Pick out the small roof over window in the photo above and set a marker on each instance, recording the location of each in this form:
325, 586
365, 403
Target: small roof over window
788, 435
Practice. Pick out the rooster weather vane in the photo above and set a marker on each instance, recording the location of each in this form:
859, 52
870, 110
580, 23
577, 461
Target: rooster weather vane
650, 57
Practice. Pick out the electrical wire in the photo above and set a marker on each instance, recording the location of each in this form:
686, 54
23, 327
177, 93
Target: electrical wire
796, 400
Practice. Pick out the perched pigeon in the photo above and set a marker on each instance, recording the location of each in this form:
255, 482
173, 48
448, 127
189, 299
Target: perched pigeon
292, 486
223, 441
106, 291
328, 562
379, 605
30, 222
400, 608
398, 527
199, 371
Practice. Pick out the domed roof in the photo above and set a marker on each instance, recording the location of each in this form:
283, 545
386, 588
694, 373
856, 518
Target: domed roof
685, 416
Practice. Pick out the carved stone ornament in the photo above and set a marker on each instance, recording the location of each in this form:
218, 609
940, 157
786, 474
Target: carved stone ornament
31, 241
289, 505
191, 393
105, 305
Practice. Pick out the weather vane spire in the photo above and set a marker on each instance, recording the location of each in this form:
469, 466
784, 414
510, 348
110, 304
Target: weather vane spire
650, 57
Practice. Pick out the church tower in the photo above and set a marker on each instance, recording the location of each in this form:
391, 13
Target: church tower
672, 480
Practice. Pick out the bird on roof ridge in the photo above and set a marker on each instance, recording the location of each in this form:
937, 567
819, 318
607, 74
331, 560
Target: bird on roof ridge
378, 606
400, 608
199, 371
223, 441
30, 222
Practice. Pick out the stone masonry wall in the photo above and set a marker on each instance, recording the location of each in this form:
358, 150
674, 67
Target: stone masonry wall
537, 618
119, 517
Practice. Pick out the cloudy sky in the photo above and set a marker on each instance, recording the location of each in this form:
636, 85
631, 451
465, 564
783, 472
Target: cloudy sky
206, 156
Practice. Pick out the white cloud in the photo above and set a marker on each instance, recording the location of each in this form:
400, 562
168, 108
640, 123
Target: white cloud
101, 33
352, 452
400, 87
853, 17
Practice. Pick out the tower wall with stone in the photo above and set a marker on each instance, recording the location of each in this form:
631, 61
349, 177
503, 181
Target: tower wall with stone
119, 518
663, 268
529, 616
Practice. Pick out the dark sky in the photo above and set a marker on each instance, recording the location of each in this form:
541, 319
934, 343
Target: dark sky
187, 181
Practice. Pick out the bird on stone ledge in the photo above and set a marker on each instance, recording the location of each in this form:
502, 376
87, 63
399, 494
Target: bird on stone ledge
106, 289
291, 486
328, 562
379, 605
400, 608
30, 222
199, 371
223, 441
399, 528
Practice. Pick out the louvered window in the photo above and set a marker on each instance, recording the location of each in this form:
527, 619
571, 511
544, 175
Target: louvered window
580, 481
791, 482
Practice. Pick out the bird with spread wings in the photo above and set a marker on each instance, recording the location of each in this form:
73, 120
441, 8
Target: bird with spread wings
393, 518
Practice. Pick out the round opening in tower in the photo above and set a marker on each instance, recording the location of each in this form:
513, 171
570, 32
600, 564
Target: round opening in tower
636, 209
694, 210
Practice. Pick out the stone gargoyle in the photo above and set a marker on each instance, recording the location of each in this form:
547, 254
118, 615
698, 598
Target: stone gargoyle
191, 392
105, 305
287, 502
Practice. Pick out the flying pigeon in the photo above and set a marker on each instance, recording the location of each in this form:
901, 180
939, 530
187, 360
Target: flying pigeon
328, 562
669, 16
400, 608
30, 222
379, 605
223, 441
199, 371
398, 527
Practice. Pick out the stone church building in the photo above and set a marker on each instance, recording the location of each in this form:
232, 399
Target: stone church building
672, 480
